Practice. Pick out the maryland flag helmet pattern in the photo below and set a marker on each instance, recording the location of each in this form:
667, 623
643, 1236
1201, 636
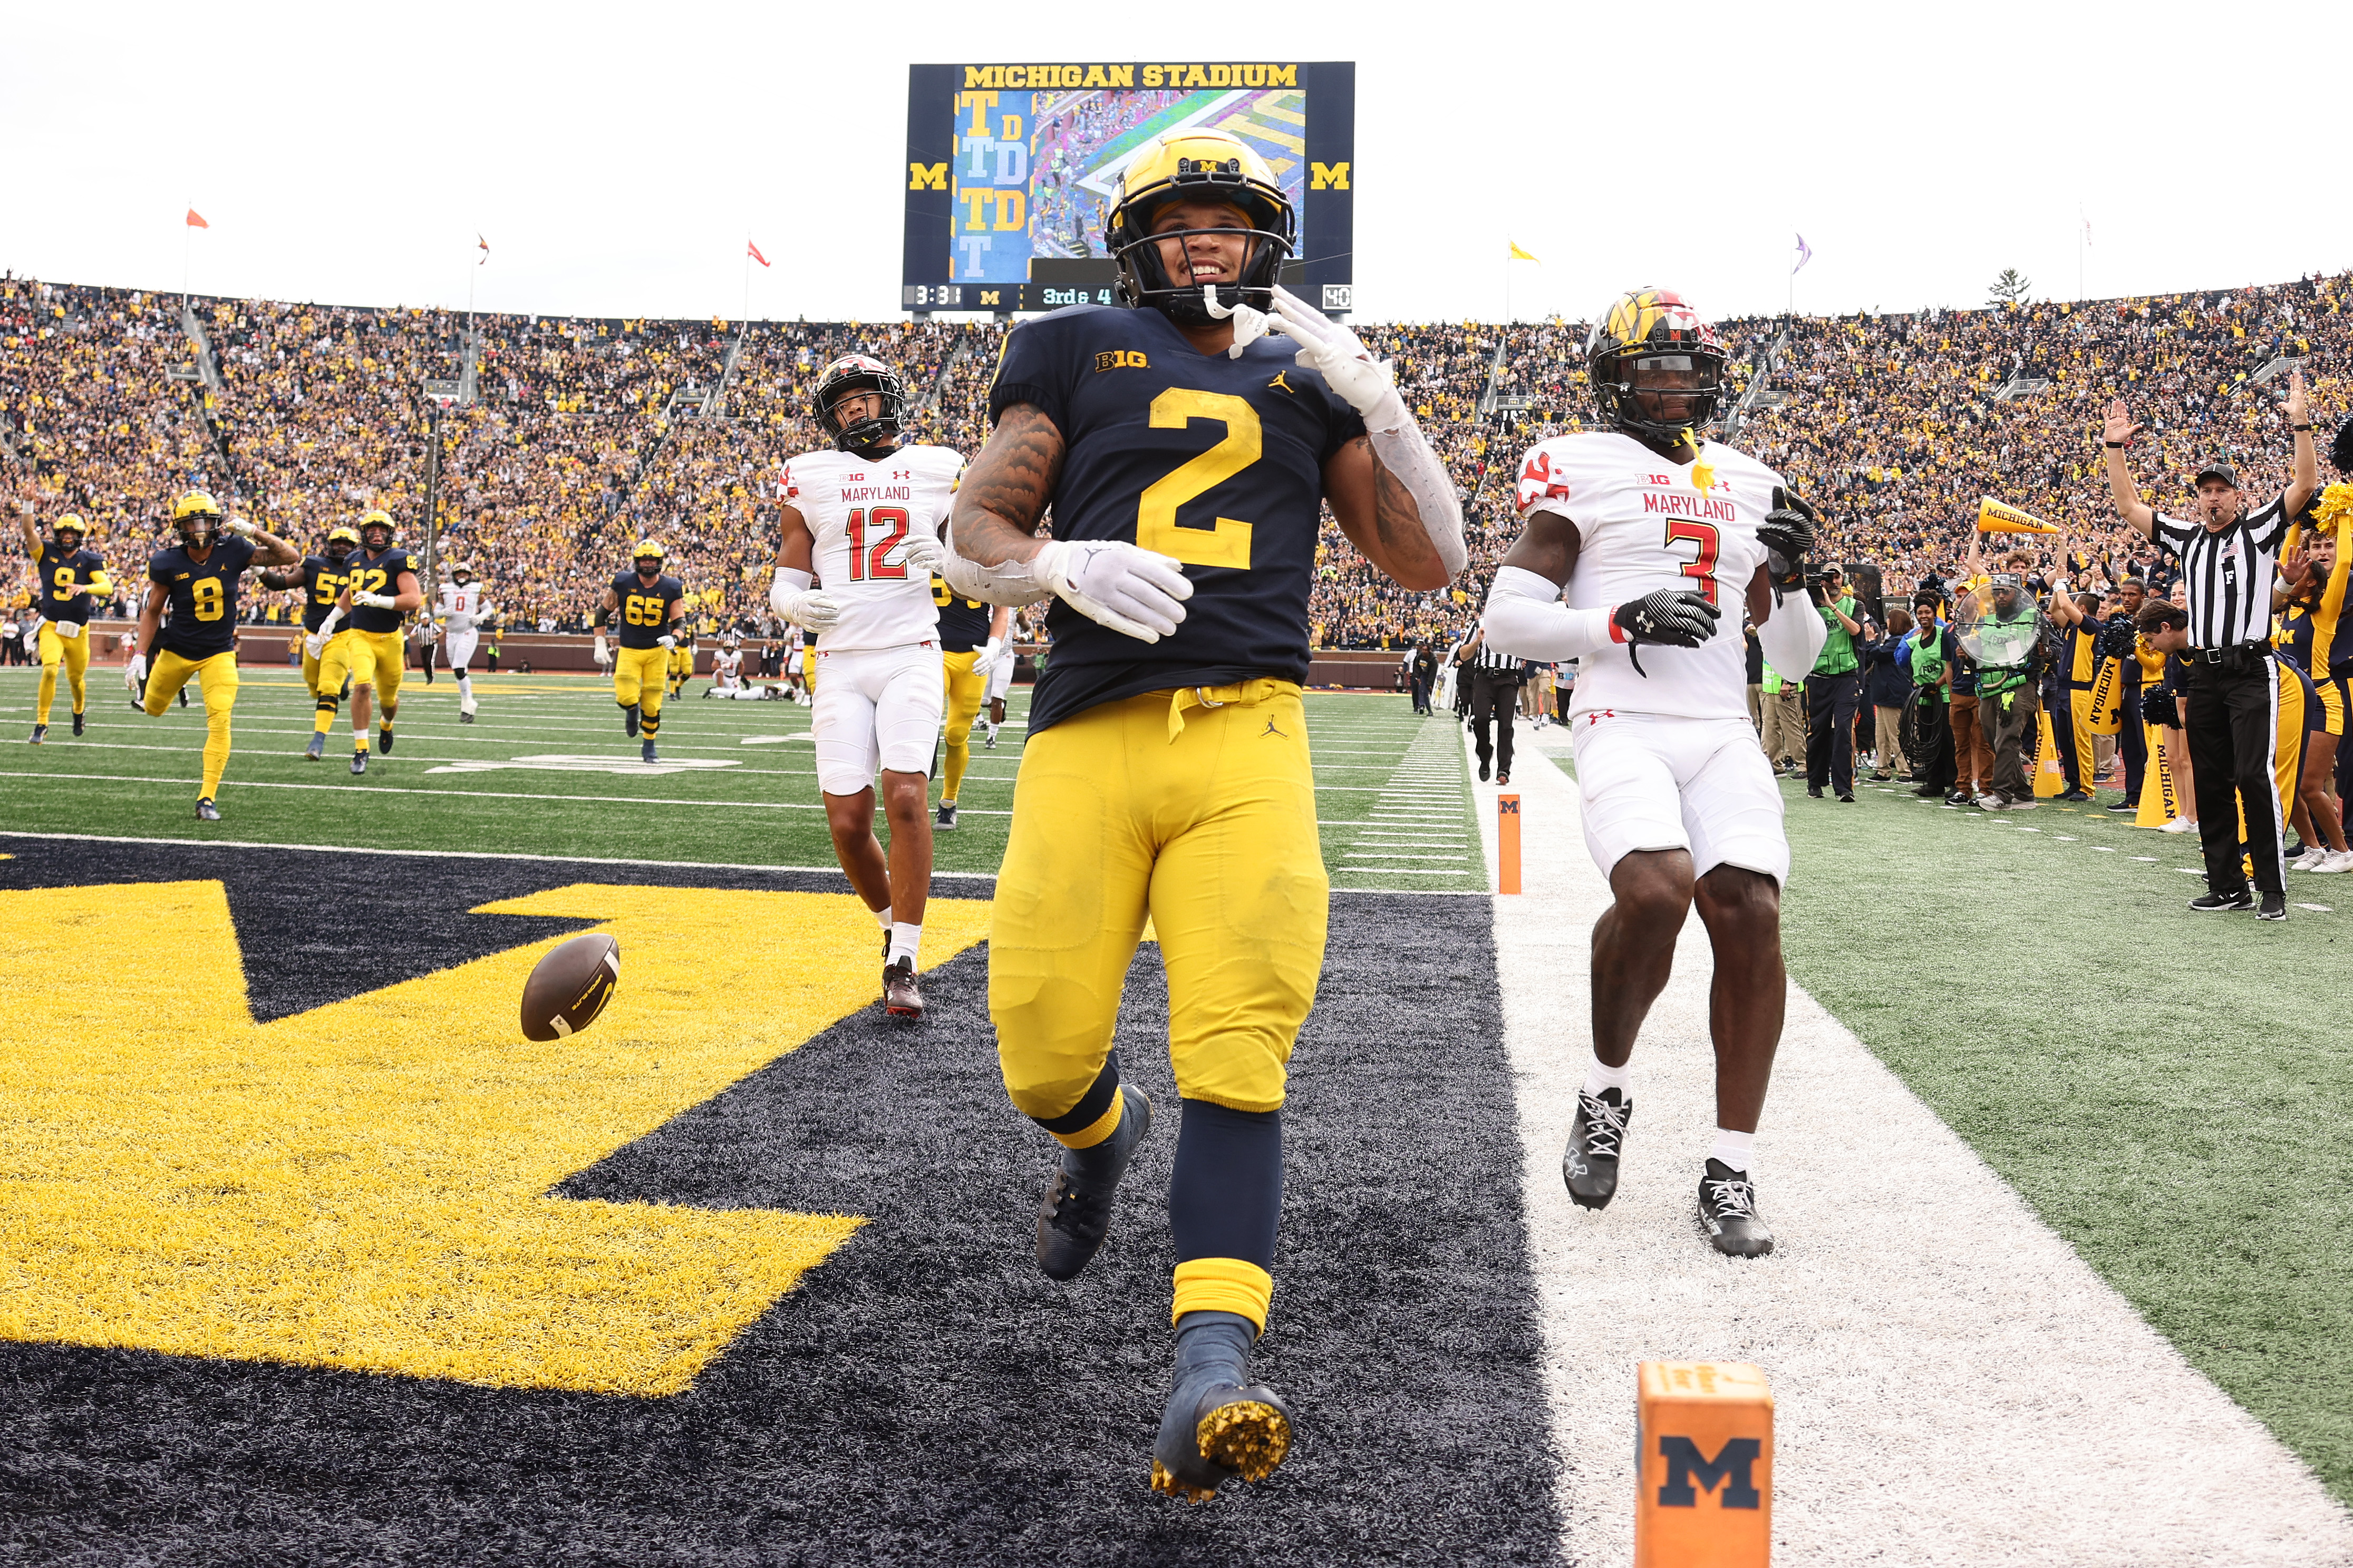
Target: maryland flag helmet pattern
1654, 328
1203, 165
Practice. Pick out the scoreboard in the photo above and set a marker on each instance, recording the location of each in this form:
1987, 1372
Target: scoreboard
1012, 171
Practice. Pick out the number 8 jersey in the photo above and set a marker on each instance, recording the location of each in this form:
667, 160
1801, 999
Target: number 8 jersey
1645, 523
860, 512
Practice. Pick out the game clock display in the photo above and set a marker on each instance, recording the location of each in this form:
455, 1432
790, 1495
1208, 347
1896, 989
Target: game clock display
1012, 171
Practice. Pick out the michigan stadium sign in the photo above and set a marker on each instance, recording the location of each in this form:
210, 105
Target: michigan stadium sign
1012, 170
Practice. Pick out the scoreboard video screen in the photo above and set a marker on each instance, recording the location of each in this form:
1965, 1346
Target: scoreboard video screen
1012, 171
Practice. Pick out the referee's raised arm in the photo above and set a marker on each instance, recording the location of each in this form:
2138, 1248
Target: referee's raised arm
2303, 478
2118, 436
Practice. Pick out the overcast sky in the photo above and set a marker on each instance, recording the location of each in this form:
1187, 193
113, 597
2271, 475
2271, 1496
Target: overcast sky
617, 158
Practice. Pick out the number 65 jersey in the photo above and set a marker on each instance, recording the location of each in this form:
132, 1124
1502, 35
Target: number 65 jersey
1645, 523
862, 511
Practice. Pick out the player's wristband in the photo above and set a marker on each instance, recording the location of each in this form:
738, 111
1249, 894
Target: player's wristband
2115, 445
2301, 430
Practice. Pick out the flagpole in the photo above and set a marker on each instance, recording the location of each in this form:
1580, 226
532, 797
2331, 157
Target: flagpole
188, 250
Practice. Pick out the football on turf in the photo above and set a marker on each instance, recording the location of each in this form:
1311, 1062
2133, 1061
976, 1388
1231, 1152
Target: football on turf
570, 987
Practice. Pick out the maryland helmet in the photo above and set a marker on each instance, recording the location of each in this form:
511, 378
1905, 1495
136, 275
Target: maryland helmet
461, 574
853, 374
197, 516
1199, 165
372, 521
648, 550
70, 523
340, 542
1653, 330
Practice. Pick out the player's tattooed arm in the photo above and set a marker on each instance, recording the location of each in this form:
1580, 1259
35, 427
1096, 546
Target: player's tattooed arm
1003, 494
1380, 517
281, 581
1548, 546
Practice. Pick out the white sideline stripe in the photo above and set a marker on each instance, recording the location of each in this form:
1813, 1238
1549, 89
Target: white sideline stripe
1953, 1384
456, 854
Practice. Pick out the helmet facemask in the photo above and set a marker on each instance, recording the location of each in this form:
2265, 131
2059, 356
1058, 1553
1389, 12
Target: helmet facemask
847, 377
1268, 227
341, 543
1660, 396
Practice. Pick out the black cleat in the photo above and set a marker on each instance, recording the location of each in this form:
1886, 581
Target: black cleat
947, 815
2073, 797
316, 749
359, 761
2124, 805
2218, 903
206, 811
184, 696
629, 721
902, 998
645, 754
990, 744
465, 715
1596, 1140
2274, 907
1848, 796
1482, 773
40, 734
1727, 1212
76, 723
1218, 1424
384, 742
1076, 1215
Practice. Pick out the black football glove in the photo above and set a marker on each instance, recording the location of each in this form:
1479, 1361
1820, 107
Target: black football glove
1787, 535
1676, 617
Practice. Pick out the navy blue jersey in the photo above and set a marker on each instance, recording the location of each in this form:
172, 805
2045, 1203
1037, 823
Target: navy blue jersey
1214, 460
322, 584
964, 622
63, 595
366, 574
202, 596
644, 613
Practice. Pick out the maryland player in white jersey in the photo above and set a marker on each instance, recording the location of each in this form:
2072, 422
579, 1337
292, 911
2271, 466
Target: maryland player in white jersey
1651, 534
727, 673
460, 608
865, 520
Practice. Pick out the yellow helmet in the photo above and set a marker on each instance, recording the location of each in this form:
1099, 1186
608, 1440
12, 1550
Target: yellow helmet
648, 547
376, 518
71, 523
1204, 166
197, 516
342, 534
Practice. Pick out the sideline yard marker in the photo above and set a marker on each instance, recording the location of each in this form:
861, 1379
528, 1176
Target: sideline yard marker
1507, 843
1703, 1465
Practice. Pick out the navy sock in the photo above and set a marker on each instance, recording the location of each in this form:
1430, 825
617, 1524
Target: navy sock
1225, 1196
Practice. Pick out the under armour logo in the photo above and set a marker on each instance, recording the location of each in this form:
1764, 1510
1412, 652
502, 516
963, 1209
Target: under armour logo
1271, 730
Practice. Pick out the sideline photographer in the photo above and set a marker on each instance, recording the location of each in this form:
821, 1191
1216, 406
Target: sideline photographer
1834, 689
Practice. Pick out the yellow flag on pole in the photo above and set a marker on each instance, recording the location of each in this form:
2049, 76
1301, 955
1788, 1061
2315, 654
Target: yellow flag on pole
2000, 517
1517, 254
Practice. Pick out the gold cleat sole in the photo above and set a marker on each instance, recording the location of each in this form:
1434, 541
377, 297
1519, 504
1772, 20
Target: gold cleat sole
1247, 1437
1162, 1482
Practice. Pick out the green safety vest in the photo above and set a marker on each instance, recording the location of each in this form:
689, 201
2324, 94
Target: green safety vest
2008, 646
1836, 657
1927, 659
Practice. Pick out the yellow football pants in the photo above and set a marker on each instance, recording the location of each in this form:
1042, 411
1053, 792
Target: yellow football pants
216, 675
1211, 831
74, 654
638, 677
965, 693
369, 659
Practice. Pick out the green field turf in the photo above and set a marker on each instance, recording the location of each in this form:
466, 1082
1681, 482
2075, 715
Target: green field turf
2170, 1090
737, 783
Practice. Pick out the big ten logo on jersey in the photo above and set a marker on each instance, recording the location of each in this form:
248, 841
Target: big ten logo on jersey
1121, 359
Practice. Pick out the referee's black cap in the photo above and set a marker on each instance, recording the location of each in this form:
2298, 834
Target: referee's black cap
2218, 469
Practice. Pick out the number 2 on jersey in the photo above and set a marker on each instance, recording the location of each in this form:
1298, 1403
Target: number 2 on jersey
1227, 544
1710, 545
867, 564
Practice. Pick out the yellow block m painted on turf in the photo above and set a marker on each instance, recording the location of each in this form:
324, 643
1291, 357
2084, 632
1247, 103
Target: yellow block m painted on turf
364, 1186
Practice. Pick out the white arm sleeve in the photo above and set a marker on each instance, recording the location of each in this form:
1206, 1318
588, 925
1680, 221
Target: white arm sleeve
786, 590
1404, 453
1792, 639
1010, 582
1527, 619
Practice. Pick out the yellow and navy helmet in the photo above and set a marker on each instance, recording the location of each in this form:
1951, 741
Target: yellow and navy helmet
70, 523
379, 518
1654, 327
341, 541
648, 549
1202, 165
854, 374
197, 516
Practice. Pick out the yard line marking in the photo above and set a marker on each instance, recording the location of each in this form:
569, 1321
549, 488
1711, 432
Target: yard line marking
459, 854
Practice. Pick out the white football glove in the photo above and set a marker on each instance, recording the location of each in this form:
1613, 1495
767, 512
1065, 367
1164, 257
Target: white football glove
313, 644
666, 640
923, 554
374, 601
241, 527
1340, 356
1131, 590
988, 656
1250, 324
603, 655
792, 598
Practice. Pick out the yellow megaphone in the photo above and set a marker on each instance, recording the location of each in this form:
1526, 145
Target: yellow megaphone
2000, 517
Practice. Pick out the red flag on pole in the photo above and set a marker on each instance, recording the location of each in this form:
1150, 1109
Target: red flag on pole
755, 251
197, 219
485, 244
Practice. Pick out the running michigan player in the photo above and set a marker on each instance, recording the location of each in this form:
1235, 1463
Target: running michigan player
972, 634
320, 578
650, 604
1186, 457
379, 588
68, 582
198, 578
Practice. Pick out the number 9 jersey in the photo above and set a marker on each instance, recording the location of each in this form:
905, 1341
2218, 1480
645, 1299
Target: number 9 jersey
1215, 460
861, 513
1645, 523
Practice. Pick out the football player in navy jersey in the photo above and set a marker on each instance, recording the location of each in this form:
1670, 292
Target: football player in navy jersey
1186, 457
68, 582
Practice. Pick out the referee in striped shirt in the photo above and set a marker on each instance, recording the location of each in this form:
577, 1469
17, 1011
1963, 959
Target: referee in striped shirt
2229, 554
1496, 680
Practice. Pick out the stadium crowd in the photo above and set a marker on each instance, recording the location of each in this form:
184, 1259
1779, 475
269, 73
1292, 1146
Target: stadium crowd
582, 435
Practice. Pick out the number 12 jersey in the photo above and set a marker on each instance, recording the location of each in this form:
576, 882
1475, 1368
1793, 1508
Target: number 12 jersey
862, 511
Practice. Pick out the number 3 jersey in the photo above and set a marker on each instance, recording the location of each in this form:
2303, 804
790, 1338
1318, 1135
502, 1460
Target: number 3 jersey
1215, 460
862, 511
1645, 523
